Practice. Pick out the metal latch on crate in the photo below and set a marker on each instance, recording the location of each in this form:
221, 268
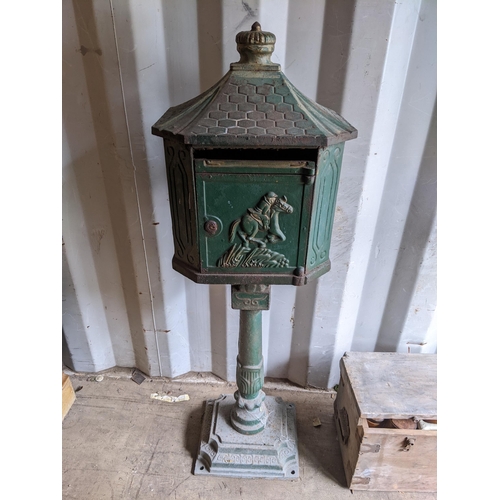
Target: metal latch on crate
408, 443
343, 419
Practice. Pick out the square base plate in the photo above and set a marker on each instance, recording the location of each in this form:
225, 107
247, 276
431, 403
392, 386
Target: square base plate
272, 453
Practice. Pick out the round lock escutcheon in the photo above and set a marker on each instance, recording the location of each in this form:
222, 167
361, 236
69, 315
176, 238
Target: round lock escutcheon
212, 225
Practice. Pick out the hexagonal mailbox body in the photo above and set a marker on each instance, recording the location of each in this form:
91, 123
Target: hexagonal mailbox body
253, 169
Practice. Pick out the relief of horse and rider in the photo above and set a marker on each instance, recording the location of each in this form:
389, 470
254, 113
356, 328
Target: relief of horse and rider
257, 228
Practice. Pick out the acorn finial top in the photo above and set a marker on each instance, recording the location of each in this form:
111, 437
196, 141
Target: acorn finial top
256, 26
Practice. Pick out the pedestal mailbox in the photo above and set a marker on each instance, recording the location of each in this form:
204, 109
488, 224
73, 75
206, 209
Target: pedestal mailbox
253, 168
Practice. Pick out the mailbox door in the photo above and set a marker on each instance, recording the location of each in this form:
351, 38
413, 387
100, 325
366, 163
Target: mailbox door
254, 217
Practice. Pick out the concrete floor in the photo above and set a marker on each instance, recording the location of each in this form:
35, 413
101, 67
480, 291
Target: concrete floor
118, 443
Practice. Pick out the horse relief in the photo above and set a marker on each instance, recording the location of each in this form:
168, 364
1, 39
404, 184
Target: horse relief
259, 226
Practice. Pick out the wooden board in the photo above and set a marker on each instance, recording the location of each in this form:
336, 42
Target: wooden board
393, 385
347, 421
383, 464
68, 395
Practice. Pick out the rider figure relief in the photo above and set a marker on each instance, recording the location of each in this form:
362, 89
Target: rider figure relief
259, 213
262, 218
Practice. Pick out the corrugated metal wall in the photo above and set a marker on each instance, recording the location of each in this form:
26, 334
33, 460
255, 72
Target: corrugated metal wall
126, 62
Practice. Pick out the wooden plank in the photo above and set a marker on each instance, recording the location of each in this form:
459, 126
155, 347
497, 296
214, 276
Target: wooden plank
393, 385
384, 465
68, 395
346, 409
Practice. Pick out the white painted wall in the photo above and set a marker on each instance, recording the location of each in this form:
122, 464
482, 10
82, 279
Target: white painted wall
125, 62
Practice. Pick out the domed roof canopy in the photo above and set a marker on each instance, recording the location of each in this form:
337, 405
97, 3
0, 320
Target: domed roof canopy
254, 104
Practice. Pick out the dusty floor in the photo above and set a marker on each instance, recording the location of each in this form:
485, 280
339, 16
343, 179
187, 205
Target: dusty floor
118, 443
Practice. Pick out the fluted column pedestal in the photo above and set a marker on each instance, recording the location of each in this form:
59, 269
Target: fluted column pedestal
249, 434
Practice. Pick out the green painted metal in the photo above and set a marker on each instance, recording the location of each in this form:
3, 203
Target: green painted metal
261, 221
221, 237
254, 108
250, 297
180, 178
272, 453
250, 350
253, 169
254, 104
325, 196
250, 413
253, 135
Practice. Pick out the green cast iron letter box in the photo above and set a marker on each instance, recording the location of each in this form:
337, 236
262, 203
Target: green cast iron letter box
253, 169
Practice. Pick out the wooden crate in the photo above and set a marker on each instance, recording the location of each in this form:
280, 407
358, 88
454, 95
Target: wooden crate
389, 386
68, 394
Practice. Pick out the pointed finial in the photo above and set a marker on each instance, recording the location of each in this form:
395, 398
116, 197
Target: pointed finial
256, 26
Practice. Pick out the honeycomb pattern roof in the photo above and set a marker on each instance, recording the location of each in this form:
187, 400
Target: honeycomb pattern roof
247, 110
256, 110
